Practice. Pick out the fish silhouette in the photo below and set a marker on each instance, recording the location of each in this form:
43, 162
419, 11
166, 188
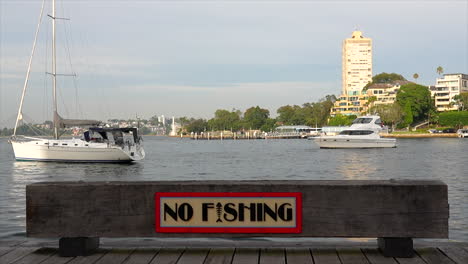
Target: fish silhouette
219, 209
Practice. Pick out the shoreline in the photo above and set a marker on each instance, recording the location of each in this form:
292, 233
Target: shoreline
420, 135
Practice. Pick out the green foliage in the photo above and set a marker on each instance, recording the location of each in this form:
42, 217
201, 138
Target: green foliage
225, 120
255, 117
408, 114
385, 78
461, 100
418, 98
269, 125
310, 114
454, 119
341, 120
196, 125
440, 70
6, 132
289, 115
390, 114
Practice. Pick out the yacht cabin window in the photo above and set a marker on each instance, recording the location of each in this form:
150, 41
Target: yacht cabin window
356, 132
362, 121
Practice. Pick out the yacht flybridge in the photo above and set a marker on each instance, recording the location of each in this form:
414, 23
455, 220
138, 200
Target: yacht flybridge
96, 145
363, 133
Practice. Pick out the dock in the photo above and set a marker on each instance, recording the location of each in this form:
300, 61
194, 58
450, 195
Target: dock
148, 251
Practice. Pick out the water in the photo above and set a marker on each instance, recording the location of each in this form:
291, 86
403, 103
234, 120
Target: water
185, 159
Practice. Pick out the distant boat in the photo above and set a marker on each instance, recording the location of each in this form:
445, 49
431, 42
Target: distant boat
97, 144
294, 132
363, 133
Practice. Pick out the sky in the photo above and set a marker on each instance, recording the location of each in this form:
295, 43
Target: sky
190, 58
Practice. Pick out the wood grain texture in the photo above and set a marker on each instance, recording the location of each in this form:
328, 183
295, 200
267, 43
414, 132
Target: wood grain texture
374, 256
246, 256
325, 256
37, 256
456, 254
115, 256
167, 256
16, 254
433, 256
299, 256
193, 256
4, 250
272, 256
220, 256
351, 256
141, 256
417, 209
89, 259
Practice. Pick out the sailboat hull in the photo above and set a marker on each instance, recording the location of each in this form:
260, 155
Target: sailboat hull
73, 151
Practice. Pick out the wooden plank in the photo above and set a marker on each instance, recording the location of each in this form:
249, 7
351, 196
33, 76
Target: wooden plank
142, 256
11, 243
325, 256
220, 256
4, 250
89, 259
456, 254
16, 254
351, 255
298, 255
167, 256
433, 256
414, 260
115, 256
126, 209
374, 256
246, 256
57, 259
272, 256
193, 256
37, 256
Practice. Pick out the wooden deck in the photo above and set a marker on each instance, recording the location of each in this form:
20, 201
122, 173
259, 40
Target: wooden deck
25, 252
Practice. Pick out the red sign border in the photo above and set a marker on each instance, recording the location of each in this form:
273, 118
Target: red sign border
247, 230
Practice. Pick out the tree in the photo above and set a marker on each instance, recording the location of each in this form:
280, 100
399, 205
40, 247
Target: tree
370, 103
408, 114
461, 100
196, 125
415, 76
341, 120
183, 121
453, 118
418, 98
255, 117
391, 114
269, 125
290, 115
385, 78
225, 120
440, 70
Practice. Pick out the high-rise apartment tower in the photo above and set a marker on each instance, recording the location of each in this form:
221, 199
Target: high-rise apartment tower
356, 63
356, 73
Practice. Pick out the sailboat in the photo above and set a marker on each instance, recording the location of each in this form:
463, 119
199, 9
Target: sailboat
98, 144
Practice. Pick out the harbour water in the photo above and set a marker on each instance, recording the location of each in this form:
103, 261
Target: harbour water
184, 159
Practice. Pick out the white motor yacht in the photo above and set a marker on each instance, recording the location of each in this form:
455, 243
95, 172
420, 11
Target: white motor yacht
363, 133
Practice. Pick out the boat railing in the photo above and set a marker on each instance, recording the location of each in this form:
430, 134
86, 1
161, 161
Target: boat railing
24, 138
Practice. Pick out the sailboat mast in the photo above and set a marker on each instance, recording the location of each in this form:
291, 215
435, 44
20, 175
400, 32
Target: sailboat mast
54, 73
20, 110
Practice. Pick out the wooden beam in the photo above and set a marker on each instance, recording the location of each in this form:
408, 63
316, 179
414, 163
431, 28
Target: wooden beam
415, 209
